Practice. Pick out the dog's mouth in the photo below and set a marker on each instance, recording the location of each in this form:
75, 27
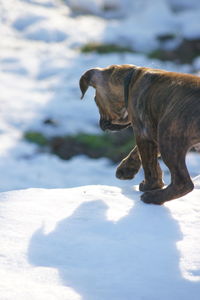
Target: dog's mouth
107, 125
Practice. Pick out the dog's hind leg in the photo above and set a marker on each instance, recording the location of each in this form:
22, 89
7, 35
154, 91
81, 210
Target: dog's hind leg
173, 151
129, 165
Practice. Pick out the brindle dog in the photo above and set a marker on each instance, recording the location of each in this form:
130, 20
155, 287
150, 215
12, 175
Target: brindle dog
164, 111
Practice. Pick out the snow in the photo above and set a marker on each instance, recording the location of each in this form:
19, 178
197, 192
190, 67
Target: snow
98, 242
70, 229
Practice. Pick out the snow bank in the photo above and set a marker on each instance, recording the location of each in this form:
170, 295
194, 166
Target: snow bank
98, 242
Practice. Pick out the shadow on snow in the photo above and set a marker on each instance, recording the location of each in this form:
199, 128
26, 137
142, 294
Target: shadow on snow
134, 258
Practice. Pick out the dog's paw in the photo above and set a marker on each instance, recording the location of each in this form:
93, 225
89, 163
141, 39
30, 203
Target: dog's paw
125, 173
152, 198
149, 186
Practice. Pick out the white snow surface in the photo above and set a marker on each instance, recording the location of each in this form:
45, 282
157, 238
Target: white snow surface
98, 242
70, 229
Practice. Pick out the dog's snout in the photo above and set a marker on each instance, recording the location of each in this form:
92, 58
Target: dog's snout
107, 125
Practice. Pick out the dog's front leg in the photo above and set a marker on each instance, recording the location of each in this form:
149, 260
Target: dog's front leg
152, 171
130, 165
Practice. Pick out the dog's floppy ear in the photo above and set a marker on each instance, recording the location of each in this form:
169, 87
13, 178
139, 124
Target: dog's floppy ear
86, 81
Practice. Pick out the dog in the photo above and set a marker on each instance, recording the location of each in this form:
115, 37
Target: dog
163, 109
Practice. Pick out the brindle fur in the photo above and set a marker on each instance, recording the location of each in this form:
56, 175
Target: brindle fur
164, 111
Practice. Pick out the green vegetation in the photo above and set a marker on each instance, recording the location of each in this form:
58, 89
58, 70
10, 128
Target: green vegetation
185, 52
93, 141
114, 146
157, 54
105, 48
166, 37
36, 137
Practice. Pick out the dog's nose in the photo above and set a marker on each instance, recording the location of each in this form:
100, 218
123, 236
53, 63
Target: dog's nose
104, 124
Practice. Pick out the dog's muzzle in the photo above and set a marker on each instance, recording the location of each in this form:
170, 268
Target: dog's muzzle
107, 125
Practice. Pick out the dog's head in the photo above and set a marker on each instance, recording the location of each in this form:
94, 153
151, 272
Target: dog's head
109, 84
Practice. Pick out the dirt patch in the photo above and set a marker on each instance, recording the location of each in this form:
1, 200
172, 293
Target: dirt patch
114, 146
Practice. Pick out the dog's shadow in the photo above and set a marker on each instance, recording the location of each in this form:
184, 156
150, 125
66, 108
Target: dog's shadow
134, 258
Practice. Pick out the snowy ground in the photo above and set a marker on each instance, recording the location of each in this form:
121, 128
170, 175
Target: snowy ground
97, 241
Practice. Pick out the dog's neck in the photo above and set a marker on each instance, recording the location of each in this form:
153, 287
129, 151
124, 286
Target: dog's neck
127, 81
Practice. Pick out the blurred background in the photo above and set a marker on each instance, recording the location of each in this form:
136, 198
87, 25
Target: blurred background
51, 139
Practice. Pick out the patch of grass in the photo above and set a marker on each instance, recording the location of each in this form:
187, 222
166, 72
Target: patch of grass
93, 141
184, 53
166, 37
105, 48
156, 54
114, 146
36, 138
109, 7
